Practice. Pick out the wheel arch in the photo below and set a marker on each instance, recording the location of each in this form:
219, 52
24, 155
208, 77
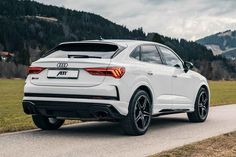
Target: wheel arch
205, 86
146, 89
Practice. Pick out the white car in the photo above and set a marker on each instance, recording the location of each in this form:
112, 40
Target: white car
128, 81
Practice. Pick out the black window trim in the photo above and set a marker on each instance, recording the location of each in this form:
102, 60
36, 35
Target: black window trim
158, 51
173, 53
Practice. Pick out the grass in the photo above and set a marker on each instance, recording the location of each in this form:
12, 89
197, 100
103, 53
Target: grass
222, 92
220, 146
12, 117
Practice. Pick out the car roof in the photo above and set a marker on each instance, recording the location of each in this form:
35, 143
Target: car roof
121, 42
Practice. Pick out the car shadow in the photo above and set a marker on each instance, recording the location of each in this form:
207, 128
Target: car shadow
168, 122
108, 129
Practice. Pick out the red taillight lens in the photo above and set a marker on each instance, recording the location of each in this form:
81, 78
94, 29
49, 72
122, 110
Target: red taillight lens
35, 70
116, 72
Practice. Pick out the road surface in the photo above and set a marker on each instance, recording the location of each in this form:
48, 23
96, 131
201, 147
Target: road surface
107, 139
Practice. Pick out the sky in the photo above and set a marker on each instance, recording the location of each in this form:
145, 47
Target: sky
189, 19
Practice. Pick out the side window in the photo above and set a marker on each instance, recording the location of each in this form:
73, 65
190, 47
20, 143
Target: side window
170, 58
136, 53
150, 54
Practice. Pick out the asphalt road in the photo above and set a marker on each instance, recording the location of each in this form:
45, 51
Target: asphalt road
107, 139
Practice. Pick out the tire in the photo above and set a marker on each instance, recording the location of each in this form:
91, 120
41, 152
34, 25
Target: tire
201, 107
140, 113
46, 123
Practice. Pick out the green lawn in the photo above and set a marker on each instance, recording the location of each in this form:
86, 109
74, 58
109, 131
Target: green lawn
222, 92
12, 117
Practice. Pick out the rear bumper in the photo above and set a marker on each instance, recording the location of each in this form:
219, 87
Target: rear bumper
97, 95
102, 90
81, 110
48, 95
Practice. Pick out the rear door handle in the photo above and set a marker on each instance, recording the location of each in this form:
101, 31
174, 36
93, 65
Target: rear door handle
174, 76
150, 73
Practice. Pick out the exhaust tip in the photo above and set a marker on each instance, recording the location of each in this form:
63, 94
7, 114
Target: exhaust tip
29, 107
101, 114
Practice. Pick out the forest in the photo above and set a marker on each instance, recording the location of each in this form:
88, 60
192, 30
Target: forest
28, 29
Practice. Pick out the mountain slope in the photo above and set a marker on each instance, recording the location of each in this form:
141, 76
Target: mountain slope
221, 43
28, 27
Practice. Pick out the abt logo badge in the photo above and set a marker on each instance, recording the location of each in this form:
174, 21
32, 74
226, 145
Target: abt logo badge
62, 73
62, 65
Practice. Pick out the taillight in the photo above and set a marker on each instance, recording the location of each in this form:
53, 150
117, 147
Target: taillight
116, 72
35, 70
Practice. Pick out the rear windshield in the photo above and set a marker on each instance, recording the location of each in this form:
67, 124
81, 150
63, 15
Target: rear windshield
83, 50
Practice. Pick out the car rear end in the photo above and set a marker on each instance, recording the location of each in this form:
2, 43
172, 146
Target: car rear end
69, 82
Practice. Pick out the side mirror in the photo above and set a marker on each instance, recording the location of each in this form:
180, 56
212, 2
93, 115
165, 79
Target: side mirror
187, 66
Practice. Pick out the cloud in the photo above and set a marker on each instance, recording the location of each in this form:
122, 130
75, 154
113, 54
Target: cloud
176, 18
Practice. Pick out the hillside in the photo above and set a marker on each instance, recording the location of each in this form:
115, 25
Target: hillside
28, 27
222, 43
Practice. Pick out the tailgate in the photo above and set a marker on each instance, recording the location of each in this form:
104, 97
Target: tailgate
68, 72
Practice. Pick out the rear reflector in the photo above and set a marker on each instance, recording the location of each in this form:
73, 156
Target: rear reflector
35, 70
116, 72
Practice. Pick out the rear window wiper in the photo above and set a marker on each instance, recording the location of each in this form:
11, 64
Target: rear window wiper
82, 56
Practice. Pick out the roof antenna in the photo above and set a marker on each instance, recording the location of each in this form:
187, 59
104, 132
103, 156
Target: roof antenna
100, 38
